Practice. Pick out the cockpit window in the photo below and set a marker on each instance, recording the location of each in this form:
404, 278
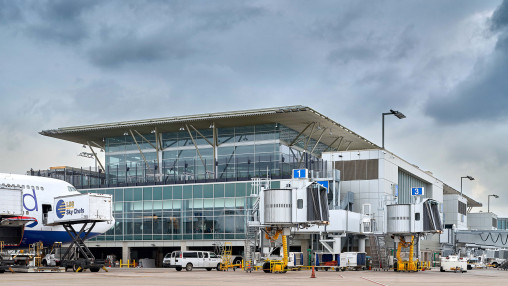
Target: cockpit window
71, 189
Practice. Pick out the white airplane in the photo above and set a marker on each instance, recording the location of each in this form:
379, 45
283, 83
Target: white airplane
38, 200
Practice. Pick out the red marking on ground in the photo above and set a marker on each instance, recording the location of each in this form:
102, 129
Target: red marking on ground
378, 283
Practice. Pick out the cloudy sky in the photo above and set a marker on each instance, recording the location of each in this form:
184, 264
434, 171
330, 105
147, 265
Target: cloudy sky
442, 63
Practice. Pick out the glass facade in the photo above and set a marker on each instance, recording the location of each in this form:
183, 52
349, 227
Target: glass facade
241, 153
192, 184
211, 211
502, 223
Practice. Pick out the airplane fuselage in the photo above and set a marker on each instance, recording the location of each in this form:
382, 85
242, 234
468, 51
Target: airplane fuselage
38, 198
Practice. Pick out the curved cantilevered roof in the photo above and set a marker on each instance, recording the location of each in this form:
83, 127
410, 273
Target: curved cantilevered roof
299, 118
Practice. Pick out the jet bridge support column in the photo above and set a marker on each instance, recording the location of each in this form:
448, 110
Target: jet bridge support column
337, 244
304, 247
361, 244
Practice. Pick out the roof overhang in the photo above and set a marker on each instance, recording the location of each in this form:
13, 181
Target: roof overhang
299, 118
447, 190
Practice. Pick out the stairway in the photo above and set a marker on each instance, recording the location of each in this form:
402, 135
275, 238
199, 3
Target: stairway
378, 252
250, 247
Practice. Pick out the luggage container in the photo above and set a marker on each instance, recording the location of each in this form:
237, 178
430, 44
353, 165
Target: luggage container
325, 261
11, 203
353, 260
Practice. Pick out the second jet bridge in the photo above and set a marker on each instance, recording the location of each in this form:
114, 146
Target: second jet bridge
419, 218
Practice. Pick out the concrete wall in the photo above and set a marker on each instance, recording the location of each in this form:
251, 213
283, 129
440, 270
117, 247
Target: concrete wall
451, 211
481, 221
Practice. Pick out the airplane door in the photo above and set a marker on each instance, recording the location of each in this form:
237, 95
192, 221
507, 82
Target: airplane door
45, 209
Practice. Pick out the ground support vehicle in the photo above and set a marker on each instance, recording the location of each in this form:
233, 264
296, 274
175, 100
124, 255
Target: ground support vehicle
83, 211
78, 256
453, 263
26, 260
189, 260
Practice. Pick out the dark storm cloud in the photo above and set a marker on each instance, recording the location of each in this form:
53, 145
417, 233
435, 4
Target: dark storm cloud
483, 95
500, 17
61, 20
178, 33
132, 49
9, 12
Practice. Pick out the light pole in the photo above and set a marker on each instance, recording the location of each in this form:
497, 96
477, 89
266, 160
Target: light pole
398, 114
488, 201
89, 155
461, 178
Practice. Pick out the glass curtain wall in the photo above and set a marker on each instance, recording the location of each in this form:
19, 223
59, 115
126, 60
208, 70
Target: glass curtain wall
180, 212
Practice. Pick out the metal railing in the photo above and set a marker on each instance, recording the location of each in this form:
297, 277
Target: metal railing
125, 175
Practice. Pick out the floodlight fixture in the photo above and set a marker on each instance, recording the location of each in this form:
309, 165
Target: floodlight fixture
398, 114
465, 177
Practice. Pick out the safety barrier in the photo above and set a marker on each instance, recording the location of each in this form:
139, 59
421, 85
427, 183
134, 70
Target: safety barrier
128, 264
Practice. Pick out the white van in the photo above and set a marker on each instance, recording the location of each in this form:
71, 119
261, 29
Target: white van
191, 259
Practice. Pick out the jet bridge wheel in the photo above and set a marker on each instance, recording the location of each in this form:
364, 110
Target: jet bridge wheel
266, 267
75, 267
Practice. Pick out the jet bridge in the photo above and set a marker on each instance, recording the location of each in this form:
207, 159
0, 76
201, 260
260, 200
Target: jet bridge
407, 222
482, 238
300, 203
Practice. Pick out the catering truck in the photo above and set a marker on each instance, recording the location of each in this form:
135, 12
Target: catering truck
82, 211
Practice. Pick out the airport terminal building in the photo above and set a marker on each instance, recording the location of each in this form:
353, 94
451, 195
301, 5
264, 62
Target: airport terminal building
185, 182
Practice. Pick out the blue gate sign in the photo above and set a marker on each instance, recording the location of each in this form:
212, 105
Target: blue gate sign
300, 173
323, 183
417, 191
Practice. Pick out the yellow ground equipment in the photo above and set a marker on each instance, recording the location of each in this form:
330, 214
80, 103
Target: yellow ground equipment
226, 258
403, 265
276, 265
129, 264
37, 249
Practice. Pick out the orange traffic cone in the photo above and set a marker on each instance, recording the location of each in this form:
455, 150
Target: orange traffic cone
313, 275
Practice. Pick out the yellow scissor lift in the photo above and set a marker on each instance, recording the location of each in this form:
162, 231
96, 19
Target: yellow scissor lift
226, 255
